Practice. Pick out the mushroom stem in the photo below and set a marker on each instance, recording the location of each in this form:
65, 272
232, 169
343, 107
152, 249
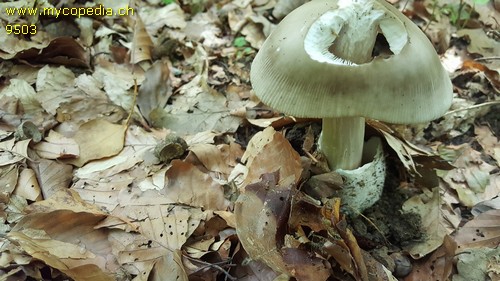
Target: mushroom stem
342, 138
341, 141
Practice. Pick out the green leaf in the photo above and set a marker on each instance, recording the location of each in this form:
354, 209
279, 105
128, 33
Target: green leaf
481, 2
240, 42
166, 2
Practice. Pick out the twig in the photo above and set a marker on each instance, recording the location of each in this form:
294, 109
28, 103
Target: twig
473, 107
134, 102
487, 58
310, 156
207, 265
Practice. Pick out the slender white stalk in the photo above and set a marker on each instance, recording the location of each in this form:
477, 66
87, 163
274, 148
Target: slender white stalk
341, 141
353, 28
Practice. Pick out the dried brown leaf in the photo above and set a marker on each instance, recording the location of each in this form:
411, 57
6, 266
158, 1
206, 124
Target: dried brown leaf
141, 43
155, 18
188, 185
482, 231
478, 264
166, 225
488, 141
436, 267
169, 268
270, 151
486, 206
55, 86
306, 213
480, 43
492, 75
472, 178
65, 199
434, 224
27, 186
221, 159
404, 149
306, 266
155, 90
261, 213
340, 253
22, 90
9, 177
198, 107
13, 152
56, 145
61, 51
67, 241
98, 139
12, 45
361, 271
118, 81
487, 13
53, 176
14, 209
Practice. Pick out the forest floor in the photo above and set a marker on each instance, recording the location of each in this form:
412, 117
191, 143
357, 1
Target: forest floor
132, 147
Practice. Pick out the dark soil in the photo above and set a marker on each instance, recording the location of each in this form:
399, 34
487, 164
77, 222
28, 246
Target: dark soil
384, 223
492, 118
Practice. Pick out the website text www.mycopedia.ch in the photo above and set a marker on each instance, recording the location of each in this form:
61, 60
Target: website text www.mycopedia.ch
66, 11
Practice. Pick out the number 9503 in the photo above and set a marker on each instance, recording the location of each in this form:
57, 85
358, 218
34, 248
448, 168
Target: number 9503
24, 29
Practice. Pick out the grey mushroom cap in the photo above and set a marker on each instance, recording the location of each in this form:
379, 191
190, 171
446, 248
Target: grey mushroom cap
409, 86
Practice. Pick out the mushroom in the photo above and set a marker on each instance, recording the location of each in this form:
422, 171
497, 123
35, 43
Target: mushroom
347, 60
